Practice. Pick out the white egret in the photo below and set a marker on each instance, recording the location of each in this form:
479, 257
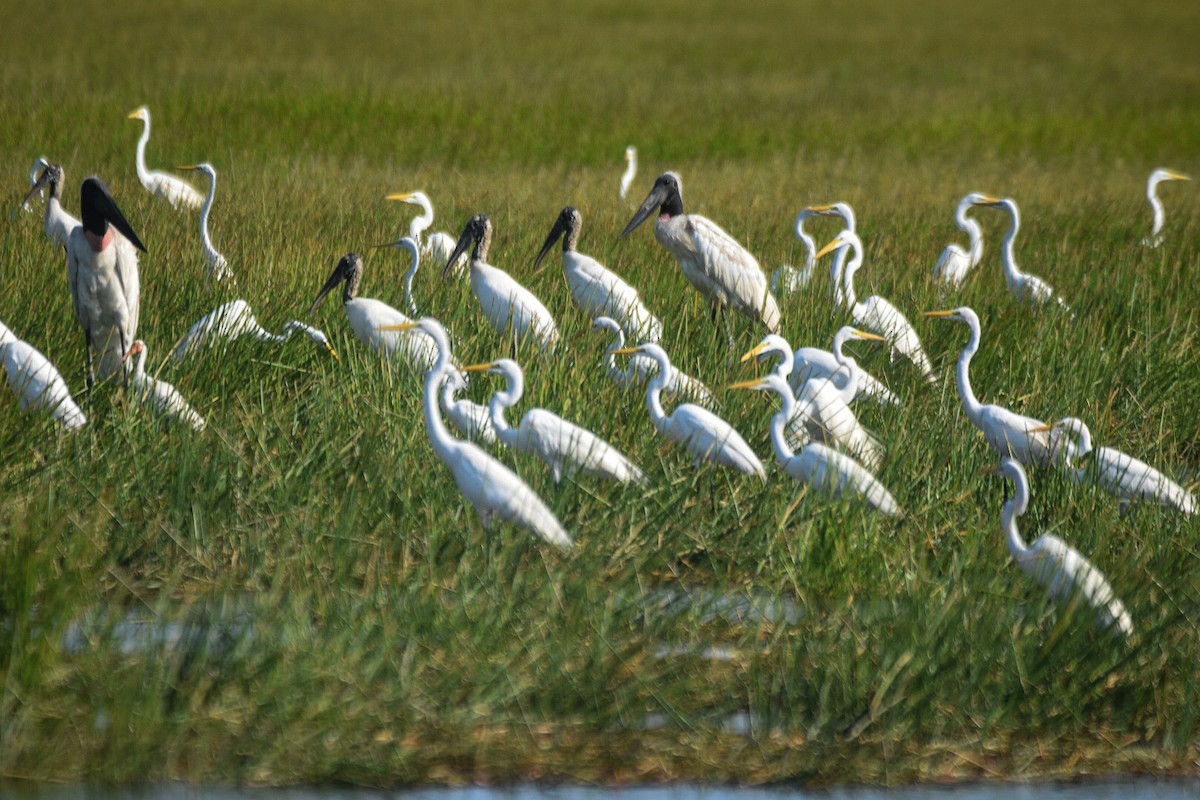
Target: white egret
1022, 285
875, 313
471, 419
630, 170
817, 465
806, 363
58, 222
370, 319
702, 433
641, 368
438, 246
788, 279
173, 190
598, 291
1130, 479
163, 398
1157, 177
102, 269
37, 382
563, 445
508, 305
410, 244
1009, 434
722, 270
230, 321
952, 268
218, 268
492, 488
1058, 566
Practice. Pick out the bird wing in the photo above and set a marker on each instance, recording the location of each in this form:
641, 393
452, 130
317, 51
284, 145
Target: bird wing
733, 269
1064, 571
877, 314
558, 441
1009, 434
495, 489
1132, 479
175, 191
708, 436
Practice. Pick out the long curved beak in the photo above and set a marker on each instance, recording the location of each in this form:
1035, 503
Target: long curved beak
988, 200
752, 384
188, 168
479, 367
870, 337
387, 244
824, 209
556, 233
401, 196
626, 351
653, 200
103, 201
135, 114
329, 286
464, 241
829, 248
943, 314
1177, 176
42, 180
757, 350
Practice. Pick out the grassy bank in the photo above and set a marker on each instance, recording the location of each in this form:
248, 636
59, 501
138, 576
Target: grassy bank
337, 614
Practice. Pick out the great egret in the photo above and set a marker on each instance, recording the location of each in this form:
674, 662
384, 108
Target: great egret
722, 270
410, 244
58, 223
1130, 479
164, 399
952, 268
641, 368
806, 363
508, 305
1157, 177
875, 313
37, 382
370, 319
563, 445
1022, 285
218, 269
492, 488
630, 169
1058, 566
817, 465
1009, 434
102, 269
231, 321
702, 433
173, 190
598, 291
821, 410
788, 279
471, 419
437, 246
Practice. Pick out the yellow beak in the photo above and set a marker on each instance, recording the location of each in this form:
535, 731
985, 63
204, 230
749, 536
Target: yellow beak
754, 384
187, 168
399, 196
829, 248
871, 337
819, 209
756, 350
1041, 429
333, 352
479, 367
135, 114
400, 326
949, 313
625, 351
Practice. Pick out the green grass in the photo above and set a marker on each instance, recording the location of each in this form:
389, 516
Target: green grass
348, 619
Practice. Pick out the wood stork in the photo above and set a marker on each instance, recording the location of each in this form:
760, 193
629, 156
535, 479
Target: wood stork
817, 465
630, 169
1059, 567
438, 246
1010, 434
598, 291
508, 305
218, 268
875, 313
235, 319
37, 382
102, 269
701, 432
1023, 286
495, 491
642, 368
722, 270
369, 319
1157, 177
564, 446
952, 268
58, 223
788, 279
163, 398
175, 191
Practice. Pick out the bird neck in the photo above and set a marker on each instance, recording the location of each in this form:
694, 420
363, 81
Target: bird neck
1157, 206
482, 244
139, 369
810, 245
350, 290
786, 364
420, 223
850, 367
672, 206
1008, 523
779, 422
571, 237
975, 232
501, 401
449, 389
408, 281
654, 388
441, 440
285, 334
1011, 271
210, 252
142, 171
963, 375
849, 298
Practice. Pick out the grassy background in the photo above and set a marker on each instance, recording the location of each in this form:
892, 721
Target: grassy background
342, 617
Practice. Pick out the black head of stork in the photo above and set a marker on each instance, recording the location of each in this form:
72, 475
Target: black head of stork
568, 225
478, 231
666, 196
98, 210
348, 269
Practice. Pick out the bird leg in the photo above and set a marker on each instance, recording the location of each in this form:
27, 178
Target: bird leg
87, 349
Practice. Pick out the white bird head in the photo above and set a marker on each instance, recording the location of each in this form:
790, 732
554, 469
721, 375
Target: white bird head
767, 383
962, 314
631, 153
844, 239
203, 168
48, 175
141, 112
772, 345
1160, 175
412, 198
1075, 431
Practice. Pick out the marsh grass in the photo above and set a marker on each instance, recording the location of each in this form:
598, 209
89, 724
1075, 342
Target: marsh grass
348, 619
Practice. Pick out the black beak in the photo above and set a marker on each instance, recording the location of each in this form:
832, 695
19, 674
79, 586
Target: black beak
464, 241
556, 233
99, 209
656, 198
334, 280
42, 180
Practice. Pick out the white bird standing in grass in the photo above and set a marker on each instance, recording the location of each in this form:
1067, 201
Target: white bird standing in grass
630, 170
102, 269
563, 445
471, 419
808, 363
173, 190
492, 488
1023, 286
1130, 479
218, 269
817, 465
58, 222
702, 433
1157, 177
1009, 434
163, 398
788, 279
410, 244
1059, 567
508, 306
370, 319
37, 382
438, 246
952, 268
598, 291
722, 270
875, 313
230, 321
641, 368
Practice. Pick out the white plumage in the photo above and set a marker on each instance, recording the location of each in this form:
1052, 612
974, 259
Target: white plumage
1157, 177
630, 170
37, 382
808, 363
788, 279
641, 368
437, 246
163, 398
58, 223
471, 419
175, 191
235, 319
1023, 286
952, 268
218, 268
